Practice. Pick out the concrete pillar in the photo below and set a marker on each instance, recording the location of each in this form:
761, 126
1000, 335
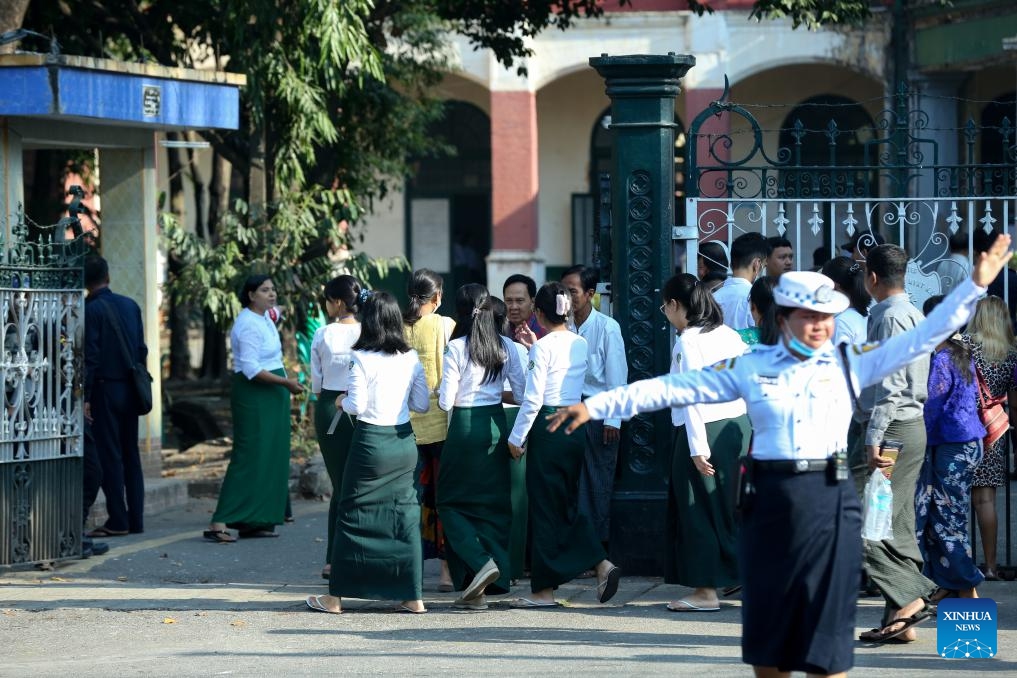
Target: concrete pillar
129, 240
12, 185
514, 188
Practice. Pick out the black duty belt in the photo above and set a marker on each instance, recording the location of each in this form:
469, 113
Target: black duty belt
790, 465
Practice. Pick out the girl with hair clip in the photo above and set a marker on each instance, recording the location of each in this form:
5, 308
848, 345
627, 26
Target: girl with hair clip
427, 333
991, 337
331, 352
709, 442
848, 278
474, 485
564, 542
377, 551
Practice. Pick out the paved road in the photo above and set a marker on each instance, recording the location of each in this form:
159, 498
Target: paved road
167, 602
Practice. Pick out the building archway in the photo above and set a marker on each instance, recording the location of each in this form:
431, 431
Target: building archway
448, 199
826, 132
997, 143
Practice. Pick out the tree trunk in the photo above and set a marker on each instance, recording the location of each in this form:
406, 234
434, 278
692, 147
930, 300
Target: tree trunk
218, 192
12, 13
179, 312
257, 186
213, 353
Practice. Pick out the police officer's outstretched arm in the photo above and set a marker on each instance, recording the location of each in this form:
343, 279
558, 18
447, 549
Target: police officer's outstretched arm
716, 384
871, 363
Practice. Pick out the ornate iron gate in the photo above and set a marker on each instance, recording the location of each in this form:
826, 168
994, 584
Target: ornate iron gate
41, 431
909, 182
912, 184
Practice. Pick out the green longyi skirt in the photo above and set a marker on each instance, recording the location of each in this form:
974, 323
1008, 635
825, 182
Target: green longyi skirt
257, 482
564, 541
377, 541
474, 495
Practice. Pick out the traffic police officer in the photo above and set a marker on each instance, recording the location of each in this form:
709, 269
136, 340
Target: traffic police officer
801, 535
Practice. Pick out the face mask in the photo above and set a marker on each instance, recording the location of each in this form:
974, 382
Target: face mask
798, 346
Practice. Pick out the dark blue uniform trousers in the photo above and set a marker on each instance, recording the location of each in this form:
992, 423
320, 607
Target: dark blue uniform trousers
115, 429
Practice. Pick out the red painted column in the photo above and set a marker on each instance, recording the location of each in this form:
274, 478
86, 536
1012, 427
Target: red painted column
696, 101
514, 180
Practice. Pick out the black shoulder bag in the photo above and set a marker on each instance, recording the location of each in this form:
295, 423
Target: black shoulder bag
139, 377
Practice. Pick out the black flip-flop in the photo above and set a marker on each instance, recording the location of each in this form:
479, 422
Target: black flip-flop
218, 536
607, 588
104, 531
258, 534
878, 636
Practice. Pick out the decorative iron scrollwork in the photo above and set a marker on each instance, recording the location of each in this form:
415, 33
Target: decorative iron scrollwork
41, 434
638, 209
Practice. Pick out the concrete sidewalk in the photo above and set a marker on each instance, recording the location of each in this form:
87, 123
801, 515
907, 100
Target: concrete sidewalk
171, 602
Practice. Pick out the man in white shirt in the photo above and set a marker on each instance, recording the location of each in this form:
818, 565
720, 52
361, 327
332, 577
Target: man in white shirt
748, 256
781, 257
607, 368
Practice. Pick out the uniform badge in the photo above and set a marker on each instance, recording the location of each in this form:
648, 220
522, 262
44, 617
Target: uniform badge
859, 349
447, 349
725, 365
678, 359
529, 365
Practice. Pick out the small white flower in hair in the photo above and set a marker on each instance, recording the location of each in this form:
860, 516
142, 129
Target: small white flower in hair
562, 304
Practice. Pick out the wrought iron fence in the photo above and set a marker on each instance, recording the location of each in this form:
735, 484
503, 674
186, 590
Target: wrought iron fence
41, 432
903, 179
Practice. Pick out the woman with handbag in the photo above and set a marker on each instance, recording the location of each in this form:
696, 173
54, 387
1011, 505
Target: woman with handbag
995, 351
943, 491
256, 487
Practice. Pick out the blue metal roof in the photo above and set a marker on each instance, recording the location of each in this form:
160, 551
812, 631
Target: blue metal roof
101, 91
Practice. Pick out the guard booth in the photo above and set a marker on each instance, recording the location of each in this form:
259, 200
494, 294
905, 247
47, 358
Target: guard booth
68, 102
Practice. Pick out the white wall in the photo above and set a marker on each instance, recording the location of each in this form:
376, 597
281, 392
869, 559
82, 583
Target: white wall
567, 109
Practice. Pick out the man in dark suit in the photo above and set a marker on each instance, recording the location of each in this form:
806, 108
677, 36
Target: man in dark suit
110, 402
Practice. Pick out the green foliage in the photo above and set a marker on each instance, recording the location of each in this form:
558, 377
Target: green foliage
297, 242
812, 14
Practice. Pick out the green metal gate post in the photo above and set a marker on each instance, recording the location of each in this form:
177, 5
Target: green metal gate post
642, 89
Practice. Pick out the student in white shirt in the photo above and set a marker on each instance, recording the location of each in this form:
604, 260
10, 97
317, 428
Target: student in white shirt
606, 368
848, 277
564, 542
749, 252
256, 487
517, 468
800, 540
710, 441
331, 352
377, 550
473, 493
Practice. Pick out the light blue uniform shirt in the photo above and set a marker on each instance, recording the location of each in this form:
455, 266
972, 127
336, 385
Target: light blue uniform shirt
800, 409
607, 366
